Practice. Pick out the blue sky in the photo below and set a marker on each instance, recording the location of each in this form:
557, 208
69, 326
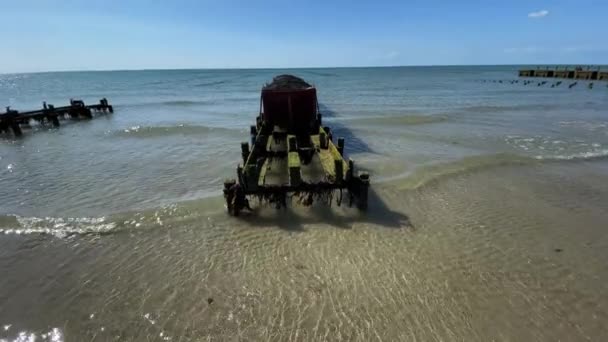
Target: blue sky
41, 35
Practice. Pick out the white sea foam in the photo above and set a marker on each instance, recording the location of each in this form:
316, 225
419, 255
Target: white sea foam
581, 155
53, 335
547, 148
587, 125
60, 227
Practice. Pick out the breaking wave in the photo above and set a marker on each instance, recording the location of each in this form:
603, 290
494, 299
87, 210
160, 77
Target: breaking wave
586, 125
547, 148
163, 216
427, 174
430, 173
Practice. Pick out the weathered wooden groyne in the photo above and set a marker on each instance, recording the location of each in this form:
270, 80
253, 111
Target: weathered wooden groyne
576, 73
12, 120
292, 155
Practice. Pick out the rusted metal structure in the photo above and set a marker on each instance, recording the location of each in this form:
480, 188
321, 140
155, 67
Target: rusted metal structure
291, 155
12, 120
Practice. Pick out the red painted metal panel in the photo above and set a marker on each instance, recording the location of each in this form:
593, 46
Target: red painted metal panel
293, 110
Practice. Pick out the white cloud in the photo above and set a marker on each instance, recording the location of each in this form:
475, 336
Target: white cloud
539, 14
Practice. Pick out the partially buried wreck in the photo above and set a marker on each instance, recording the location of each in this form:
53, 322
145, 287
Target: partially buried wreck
292, 155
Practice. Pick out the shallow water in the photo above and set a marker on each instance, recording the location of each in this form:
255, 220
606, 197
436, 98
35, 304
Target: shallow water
175, 134
500, 254
486, 221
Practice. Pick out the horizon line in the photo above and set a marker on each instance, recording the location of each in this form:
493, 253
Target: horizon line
300, 68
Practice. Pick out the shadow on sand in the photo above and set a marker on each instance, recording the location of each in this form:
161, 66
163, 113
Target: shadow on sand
378, 213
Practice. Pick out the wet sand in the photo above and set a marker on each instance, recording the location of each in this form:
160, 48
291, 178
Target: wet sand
509, 253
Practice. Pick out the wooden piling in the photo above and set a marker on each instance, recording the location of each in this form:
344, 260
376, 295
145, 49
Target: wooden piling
240, 176
526, 73
363, 190
245, 151
583, 75
339, 169
327, 130
293, 165
55, 120
561, 73
292, 143
323, 140
11, 119
341, 145
351, 169
576, 73
16, 128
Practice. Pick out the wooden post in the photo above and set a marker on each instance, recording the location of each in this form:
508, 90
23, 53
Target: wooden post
292, 144
323, 140
253, 131
228, 183
239, 174
251, 177
86, 112
339, 169
260, 143
363, 190
351, 170
54, 119
341, 145
327, 130
293, 165
245, 151
16, 129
